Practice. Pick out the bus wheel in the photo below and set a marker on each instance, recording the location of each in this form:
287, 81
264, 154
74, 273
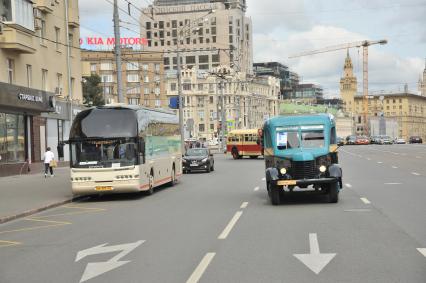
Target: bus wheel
235, 153
333, 192
173, 178
274, 194
151, 184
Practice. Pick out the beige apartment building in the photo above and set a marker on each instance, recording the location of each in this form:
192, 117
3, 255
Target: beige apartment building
36, 81
142, 76
247, 103
208, 33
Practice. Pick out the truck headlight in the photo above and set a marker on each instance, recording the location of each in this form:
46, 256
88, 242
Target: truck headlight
322, 168
283, 171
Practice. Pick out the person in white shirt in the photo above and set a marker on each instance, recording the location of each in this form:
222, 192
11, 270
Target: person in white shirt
48, 158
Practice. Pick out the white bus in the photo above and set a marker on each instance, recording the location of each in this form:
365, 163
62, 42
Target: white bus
123, 149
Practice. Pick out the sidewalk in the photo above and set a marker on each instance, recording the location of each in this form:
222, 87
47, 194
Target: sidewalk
27, 194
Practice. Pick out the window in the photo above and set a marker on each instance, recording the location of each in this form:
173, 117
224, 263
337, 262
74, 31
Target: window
106, 66
57, 37
157, 103
201, 115
146, 79
59, 82
70, 42
29, 75
190, 59
173, 86
157, 67
148, 25
133, 78
134, 101
201, 128
203, 59
133, 90
12, 138
146, 91
10, 71
107, 79
42, 31
211, 99
19, 12
93, 67
145, 67
133, 66
186, 86
200, 87
44, 79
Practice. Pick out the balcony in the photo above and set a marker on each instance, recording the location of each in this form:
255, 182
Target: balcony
17, 40
45, 6
73, 16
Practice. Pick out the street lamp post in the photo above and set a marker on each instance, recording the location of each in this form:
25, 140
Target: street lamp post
180, 99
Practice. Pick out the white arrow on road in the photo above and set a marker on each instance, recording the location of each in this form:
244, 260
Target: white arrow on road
315, 260
94, 269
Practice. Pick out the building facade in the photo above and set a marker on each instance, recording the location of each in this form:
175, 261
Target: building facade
307, 93
408, 109
36, 81
246, 103
348, 86
208, 33
142, 76
422, 82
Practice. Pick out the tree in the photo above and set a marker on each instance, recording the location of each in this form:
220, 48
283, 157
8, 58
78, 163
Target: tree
92, 91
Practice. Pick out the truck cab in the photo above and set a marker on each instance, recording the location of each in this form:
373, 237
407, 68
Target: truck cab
301, 155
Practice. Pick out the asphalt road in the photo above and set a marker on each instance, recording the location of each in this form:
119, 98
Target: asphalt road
221, 227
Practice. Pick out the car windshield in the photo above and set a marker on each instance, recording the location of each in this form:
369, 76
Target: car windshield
103, 153
303, 136
197, 152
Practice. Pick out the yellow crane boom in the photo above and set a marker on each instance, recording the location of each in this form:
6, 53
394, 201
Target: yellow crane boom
364, 44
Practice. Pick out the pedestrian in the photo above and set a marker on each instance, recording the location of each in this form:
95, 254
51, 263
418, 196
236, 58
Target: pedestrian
49, 162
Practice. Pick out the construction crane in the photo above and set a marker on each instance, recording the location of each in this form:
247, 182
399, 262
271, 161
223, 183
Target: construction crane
364, 44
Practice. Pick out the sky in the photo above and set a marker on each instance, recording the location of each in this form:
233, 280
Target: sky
282, 28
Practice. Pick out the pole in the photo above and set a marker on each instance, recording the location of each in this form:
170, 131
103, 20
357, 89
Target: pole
365, 88
222, 109
68, 61
180, 98
118, 53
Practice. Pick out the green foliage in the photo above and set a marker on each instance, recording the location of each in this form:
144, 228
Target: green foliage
92, 91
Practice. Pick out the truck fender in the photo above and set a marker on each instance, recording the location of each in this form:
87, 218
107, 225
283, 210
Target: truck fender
336, 171
271, 174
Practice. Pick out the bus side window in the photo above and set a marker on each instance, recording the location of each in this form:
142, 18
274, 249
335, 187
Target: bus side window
142, 150
333, 136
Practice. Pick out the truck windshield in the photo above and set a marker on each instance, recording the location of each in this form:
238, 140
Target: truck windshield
298, 137
111, 153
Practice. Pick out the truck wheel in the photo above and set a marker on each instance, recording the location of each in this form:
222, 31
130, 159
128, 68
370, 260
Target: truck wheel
274, 194
333, 192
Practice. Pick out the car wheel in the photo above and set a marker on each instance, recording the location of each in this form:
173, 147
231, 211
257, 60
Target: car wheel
274, 194
333, 192
213, 167
208, 169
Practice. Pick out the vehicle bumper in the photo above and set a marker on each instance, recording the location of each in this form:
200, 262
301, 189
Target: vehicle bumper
116, 187
304, 182
199, 167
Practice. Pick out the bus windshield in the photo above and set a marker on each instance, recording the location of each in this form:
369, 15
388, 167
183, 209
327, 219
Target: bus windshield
297, 137
108, 153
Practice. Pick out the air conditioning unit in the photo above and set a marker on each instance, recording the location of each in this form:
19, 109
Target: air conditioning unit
37, 14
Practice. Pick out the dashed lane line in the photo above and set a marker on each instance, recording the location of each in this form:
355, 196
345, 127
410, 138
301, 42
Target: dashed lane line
422, 251
256, 189
393, 183
357, 210
366, 201
4, 244
244, 205
379, 162
415, 173
263, 179
230, 225
395, 167
348, 185
201, 268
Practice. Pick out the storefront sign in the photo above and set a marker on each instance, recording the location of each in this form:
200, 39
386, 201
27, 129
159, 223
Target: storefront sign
99, 41
29, 97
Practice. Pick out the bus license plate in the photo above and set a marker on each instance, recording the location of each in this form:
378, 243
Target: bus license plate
102, 189
287, 183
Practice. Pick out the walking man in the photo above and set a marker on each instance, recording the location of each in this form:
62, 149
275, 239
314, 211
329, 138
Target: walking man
49, 159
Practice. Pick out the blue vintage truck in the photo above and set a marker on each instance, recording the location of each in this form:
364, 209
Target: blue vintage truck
301, 154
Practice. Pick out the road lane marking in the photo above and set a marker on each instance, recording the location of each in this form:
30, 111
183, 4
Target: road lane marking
256, 189
422, 251
230, 225
366, 201
415, 173
357, 210
379, 162
394, 167
348, 185
368, 159
4, 244
244, 205
263, 179
393, 183
54, 224
201, 268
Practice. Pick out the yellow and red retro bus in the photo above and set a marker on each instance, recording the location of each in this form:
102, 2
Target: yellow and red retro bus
244, 143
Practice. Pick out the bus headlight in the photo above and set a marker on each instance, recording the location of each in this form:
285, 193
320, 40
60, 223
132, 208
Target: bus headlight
322, 168
283, 171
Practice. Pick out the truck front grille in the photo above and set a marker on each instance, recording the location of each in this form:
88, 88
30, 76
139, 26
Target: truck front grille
304, 169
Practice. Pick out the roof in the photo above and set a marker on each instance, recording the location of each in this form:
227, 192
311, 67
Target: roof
301, 119
246, 131
391, 94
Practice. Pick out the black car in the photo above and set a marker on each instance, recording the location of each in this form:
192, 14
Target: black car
415, 139
340, 141
198, 159
350, 140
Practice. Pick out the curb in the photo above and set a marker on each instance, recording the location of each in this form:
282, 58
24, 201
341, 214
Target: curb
37, 210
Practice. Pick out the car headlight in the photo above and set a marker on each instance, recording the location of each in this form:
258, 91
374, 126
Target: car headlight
322, 168
204, 160
283, 171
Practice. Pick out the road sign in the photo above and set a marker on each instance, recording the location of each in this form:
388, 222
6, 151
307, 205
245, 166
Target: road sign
94, 269
315, 260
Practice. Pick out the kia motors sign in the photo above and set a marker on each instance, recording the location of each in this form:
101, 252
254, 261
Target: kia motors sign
102, 41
